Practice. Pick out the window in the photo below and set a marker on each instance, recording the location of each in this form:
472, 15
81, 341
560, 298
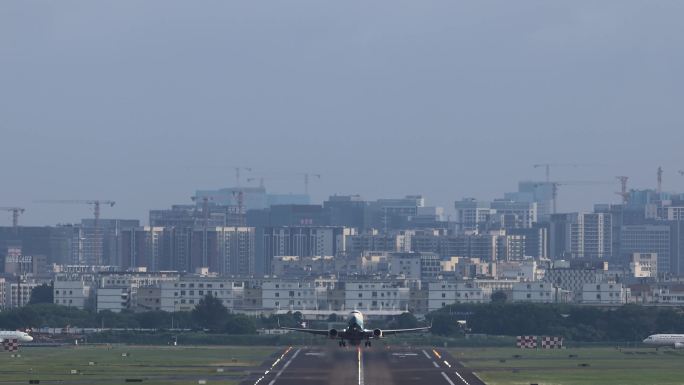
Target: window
360, 295
201, 292
277, 294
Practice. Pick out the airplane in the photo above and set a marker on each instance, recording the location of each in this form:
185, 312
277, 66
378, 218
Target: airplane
355, 332
10, 339
675, 341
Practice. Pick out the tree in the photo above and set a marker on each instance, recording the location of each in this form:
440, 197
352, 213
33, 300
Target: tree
406, 321
42, 294
239, 324
210, 313
499, 297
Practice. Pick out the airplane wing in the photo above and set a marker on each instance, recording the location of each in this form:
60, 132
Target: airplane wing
310, 331
390, 332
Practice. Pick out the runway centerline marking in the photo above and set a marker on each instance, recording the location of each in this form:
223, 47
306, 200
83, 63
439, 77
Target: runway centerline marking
273, 365
360, 359
284, 367
448, 379
462, 379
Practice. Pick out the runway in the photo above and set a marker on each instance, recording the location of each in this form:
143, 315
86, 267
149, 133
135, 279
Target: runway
364, 366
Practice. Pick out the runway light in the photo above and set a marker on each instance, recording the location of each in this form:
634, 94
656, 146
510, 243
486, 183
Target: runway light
447, 364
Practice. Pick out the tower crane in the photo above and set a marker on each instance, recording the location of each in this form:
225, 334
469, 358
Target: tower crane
96, 204
660, 180
307, 177
547, 167
556, 185
16, 211
623, 188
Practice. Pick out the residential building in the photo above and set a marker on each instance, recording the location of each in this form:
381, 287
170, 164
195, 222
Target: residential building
605, 294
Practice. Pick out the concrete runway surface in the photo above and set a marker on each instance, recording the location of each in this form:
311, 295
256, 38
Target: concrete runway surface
364, 366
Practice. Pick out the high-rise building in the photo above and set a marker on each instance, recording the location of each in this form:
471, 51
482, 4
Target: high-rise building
540, 193
655, 239
224, 250
581, 235
514, 214
471, 212
302, 241
348, 211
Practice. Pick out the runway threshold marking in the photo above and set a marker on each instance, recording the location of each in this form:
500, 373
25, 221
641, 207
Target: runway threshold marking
427, 355
284, 367
448, 379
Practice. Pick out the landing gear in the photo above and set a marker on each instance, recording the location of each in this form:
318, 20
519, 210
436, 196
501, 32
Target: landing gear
342, 343
367, 344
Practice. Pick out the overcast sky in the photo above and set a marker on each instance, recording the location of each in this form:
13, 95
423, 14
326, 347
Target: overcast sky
128, 100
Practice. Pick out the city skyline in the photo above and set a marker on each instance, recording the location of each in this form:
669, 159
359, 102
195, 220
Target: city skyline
450, 100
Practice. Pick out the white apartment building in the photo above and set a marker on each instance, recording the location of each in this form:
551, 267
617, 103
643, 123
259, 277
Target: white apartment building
525, 270
295, 294
441, 294
376, 295
118, 291
605, 294
539, 292
74, 290
185, 294
644, 265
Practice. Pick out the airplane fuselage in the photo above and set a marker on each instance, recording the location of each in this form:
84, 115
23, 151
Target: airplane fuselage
6, 335
669, 340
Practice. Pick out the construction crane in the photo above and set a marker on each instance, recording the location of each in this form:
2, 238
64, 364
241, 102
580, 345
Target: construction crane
16, 211
555, 185
659, 188
623, 188
306, 180
547, 167
237, 174
261, 181
96, 204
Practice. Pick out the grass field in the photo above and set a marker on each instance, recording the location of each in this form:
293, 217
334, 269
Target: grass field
605, 366
155, 365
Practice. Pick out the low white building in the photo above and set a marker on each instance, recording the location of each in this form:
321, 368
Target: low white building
376, 295
114, 299
185, 294
644, 265
295, 295
441, 294
525, 270
74, 290
539, 292
605, 294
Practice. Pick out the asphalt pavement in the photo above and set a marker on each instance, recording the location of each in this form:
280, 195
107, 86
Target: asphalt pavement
379, 365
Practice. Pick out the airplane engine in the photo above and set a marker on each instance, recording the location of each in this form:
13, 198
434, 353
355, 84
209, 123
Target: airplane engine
377, 333
679, 345
332, 333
